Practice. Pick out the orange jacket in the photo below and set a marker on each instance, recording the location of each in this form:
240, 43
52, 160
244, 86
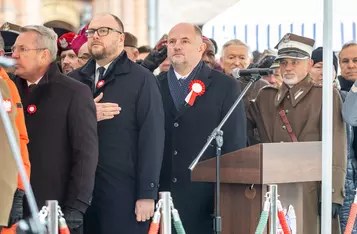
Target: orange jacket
21, 127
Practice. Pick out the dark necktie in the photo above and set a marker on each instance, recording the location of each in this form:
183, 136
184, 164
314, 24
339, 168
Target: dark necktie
101, 71
31, 87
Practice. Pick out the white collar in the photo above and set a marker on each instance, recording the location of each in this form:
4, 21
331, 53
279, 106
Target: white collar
180, 76
106, 66
36, 82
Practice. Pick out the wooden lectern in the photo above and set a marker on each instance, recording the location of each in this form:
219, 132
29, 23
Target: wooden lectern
285, 164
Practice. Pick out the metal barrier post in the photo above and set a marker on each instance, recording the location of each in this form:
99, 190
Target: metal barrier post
165, 227
52, 216
274, 209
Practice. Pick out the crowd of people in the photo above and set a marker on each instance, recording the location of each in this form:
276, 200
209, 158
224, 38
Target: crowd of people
104, 125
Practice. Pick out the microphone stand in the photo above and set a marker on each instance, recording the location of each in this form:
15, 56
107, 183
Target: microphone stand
34, 223
217, 134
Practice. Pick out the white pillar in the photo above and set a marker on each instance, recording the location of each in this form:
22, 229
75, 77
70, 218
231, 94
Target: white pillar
327, 120
33, 8
9, 11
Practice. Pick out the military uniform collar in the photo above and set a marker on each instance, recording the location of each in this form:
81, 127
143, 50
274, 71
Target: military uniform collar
296, 93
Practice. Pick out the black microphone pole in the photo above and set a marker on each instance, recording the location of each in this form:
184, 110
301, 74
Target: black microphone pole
217, 134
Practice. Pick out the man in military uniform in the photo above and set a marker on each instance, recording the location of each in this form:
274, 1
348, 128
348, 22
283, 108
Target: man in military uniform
293, 112
8, 169
68, 59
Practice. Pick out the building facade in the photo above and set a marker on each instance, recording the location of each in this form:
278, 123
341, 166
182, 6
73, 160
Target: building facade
146, 19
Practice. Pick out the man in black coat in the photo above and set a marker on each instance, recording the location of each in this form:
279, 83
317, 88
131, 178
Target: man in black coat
131, 143
189, 122
61, 121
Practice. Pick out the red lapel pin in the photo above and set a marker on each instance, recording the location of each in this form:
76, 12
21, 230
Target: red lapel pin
7, 105
197, 88
100, 84
31, 109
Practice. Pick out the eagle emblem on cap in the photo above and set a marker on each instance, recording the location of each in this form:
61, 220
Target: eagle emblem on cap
63, 43
7, 105
6, 26
286, 38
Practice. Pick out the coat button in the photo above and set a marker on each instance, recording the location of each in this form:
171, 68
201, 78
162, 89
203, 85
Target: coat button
174, 180
284, 127
152, 185
288, 97
175, 152
286, 111
176, 125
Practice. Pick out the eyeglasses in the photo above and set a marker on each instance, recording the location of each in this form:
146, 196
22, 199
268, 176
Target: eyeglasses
22, 49
102, 31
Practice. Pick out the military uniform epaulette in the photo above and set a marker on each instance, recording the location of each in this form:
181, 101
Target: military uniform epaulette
267, 87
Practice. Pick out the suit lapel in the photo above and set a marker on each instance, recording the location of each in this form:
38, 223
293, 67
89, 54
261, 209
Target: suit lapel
204, 76
41, 92
166, 96
121, 65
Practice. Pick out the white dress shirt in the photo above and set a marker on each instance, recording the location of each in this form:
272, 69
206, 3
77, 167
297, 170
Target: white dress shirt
36, 82
180, 76
97, 71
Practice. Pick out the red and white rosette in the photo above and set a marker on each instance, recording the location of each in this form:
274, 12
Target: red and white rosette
100, 84
31, 109
197, 88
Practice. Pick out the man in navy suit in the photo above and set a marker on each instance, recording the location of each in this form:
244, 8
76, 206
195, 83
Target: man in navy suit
195, 98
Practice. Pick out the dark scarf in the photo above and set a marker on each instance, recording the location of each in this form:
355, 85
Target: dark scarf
345, 84
179, 89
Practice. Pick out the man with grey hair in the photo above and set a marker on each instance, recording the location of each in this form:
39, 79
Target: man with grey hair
61, 121
237, 55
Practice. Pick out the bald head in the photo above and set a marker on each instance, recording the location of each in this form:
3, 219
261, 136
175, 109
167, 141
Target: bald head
190, 28
110, 17
185, 46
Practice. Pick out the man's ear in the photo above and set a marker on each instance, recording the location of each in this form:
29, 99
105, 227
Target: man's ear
203, 47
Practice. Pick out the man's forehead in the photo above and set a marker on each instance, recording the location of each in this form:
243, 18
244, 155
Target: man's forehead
103, 21
350, 52
236, 49
25, 38
182, 31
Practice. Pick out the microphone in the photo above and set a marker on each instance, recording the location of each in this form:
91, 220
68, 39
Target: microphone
7, 62
266, 61
238, 73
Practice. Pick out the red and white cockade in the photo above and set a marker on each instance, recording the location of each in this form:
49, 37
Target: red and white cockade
197, 88
31, 109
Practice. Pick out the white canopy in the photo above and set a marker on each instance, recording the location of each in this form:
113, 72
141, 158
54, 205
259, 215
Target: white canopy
262, 23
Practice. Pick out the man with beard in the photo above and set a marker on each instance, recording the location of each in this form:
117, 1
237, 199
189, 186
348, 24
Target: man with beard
68, 59
188, 124
293, 113
131, 143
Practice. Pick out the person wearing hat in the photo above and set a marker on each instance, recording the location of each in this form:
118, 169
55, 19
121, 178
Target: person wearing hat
274, 79
9, 32
293, 113
21, 128
80, 47
68, 59
131, 46
8, 169
317, 67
